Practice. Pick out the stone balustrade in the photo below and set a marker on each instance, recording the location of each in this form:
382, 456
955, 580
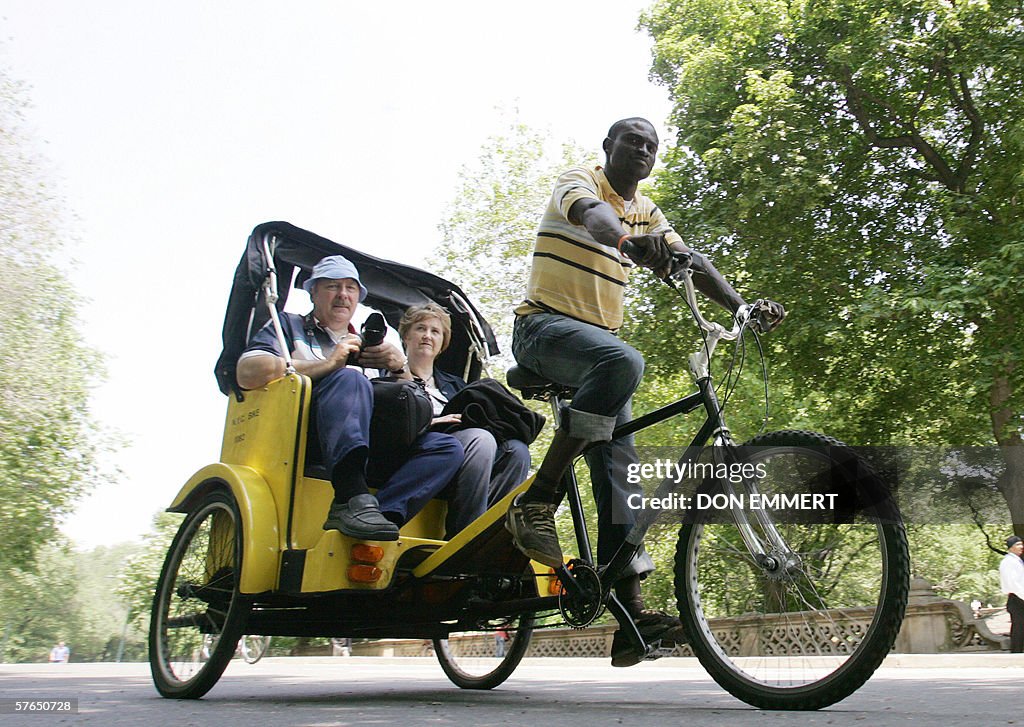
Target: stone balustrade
932, 625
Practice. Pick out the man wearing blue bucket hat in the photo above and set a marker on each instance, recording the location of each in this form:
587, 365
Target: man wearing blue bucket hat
322, 345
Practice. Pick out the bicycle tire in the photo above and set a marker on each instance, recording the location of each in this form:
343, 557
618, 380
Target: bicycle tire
815, 640
253, 647
197, 596
468, 660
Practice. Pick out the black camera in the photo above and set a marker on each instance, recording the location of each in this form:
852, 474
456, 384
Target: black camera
373, 330
372, 334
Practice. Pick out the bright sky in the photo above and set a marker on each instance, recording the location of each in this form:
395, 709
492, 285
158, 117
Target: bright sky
175, 128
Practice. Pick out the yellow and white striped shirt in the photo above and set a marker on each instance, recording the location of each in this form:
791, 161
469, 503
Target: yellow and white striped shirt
571, 272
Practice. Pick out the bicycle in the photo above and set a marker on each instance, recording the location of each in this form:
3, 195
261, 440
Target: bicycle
830, 636
251, 554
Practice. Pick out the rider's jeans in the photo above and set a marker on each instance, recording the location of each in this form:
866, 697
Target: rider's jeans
342, 405
605, 371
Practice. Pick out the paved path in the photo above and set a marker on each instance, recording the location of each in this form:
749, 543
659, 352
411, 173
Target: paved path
908, 690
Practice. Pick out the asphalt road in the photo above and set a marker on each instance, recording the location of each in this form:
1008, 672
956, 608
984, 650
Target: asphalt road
944, 690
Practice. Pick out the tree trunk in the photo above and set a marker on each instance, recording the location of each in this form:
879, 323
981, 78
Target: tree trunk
1008, 437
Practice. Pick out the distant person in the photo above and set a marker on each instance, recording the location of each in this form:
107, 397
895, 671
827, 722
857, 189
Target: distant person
500, 639
1011, 580
60, 654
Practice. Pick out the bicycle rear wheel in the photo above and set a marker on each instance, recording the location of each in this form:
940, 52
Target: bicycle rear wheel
474, 660
198, 614
809, 633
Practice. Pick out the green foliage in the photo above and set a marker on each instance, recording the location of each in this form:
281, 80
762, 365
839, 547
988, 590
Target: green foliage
860, 160
956, 561
104, 612
37, 607
47, 441
490, 227
67, 596
140, 572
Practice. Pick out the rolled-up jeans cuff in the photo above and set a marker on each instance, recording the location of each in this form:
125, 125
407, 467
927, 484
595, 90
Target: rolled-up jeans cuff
586, 426
640, 564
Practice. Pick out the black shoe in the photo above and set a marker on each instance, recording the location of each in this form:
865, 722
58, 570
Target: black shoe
653, 626
532, 525
360, 518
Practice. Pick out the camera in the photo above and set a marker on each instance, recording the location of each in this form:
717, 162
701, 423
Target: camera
372, 333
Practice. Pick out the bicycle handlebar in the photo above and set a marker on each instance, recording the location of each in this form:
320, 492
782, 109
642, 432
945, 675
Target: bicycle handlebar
681, 271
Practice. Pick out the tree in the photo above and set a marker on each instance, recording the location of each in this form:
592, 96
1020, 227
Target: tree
47, 442
141, 570
38, 608
490, 227
861, 161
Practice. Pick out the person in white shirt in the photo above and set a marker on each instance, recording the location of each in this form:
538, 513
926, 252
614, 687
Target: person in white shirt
1011, 580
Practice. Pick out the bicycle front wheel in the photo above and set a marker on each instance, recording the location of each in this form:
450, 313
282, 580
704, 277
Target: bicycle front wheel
807, 625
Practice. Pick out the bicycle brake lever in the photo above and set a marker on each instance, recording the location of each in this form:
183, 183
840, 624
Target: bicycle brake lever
680, 265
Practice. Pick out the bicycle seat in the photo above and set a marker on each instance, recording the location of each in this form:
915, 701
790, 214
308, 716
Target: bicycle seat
534, 386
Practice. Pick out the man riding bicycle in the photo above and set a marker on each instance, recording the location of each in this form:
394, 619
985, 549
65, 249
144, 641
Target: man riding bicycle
565, 332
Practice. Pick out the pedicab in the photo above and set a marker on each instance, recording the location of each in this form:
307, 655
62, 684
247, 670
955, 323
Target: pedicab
823, 601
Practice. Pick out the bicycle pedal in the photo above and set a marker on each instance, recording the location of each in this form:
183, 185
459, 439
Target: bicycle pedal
656, 651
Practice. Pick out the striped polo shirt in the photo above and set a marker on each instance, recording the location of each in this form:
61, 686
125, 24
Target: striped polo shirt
572, 273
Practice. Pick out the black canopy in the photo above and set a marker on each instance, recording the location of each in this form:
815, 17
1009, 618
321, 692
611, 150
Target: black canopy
392, 287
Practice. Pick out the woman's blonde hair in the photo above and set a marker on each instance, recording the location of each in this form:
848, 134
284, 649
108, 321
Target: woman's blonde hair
416, 313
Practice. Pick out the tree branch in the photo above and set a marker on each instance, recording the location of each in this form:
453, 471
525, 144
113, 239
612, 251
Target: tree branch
912, 140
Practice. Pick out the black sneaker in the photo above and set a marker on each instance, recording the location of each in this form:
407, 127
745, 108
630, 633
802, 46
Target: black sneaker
653, 626
360, 518
532, 525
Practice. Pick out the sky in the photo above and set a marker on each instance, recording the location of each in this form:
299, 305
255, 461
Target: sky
173, 129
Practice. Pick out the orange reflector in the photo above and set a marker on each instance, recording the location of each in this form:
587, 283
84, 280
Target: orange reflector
367, 553
554, 585
364, 573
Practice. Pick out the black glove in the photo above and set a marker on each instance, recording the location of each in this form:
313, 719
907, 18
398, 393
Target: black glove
651, 251
766, 316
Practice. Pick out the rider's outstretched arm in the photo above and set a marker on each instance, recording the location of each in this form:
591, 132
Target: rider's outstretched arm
709, 281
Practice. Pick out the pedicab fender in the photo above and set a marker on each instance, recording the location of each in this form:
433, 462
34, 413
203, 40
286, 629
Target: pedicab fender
260, 536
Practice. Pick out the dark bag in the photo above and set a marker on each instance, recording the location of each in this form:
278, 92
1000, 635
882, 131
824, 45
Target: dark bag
401, 412
487, 404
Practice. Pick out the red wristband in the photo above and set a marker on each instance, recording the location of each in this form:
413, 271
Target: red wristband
618, 245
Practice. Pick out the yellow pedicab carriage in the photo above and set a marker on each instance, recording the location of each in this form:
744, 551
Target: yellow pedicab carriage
251, 555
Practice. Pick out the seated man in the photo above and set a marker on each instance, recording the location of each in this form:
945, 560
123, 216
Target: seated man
320, 344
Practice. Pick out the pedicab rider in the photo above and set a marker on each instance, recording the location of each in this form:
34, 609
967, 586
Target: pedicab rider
565, 331
321, 343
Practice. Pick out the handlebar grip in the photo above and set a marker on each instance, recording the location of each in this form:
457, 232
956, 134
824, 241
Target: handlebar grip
680, 260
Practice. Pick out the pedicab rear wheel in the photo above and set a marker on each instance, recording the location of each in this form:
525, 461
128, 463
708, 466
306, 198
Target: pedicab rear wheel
196, 598
470, 659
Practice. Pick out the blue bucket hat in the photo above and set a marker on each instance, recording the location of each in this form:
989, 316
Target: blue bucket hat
334, 267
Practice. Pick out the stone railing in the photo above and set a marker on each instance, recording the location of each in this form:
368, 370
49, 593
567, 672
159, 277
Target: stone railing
932, 625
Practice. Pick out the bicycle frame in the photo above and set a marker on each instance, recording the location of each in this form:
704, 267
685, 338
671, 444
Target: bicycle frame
714, 428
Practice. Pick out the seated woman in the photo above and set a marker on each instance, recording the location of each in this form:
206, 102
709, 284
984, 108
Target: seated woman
491, 469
